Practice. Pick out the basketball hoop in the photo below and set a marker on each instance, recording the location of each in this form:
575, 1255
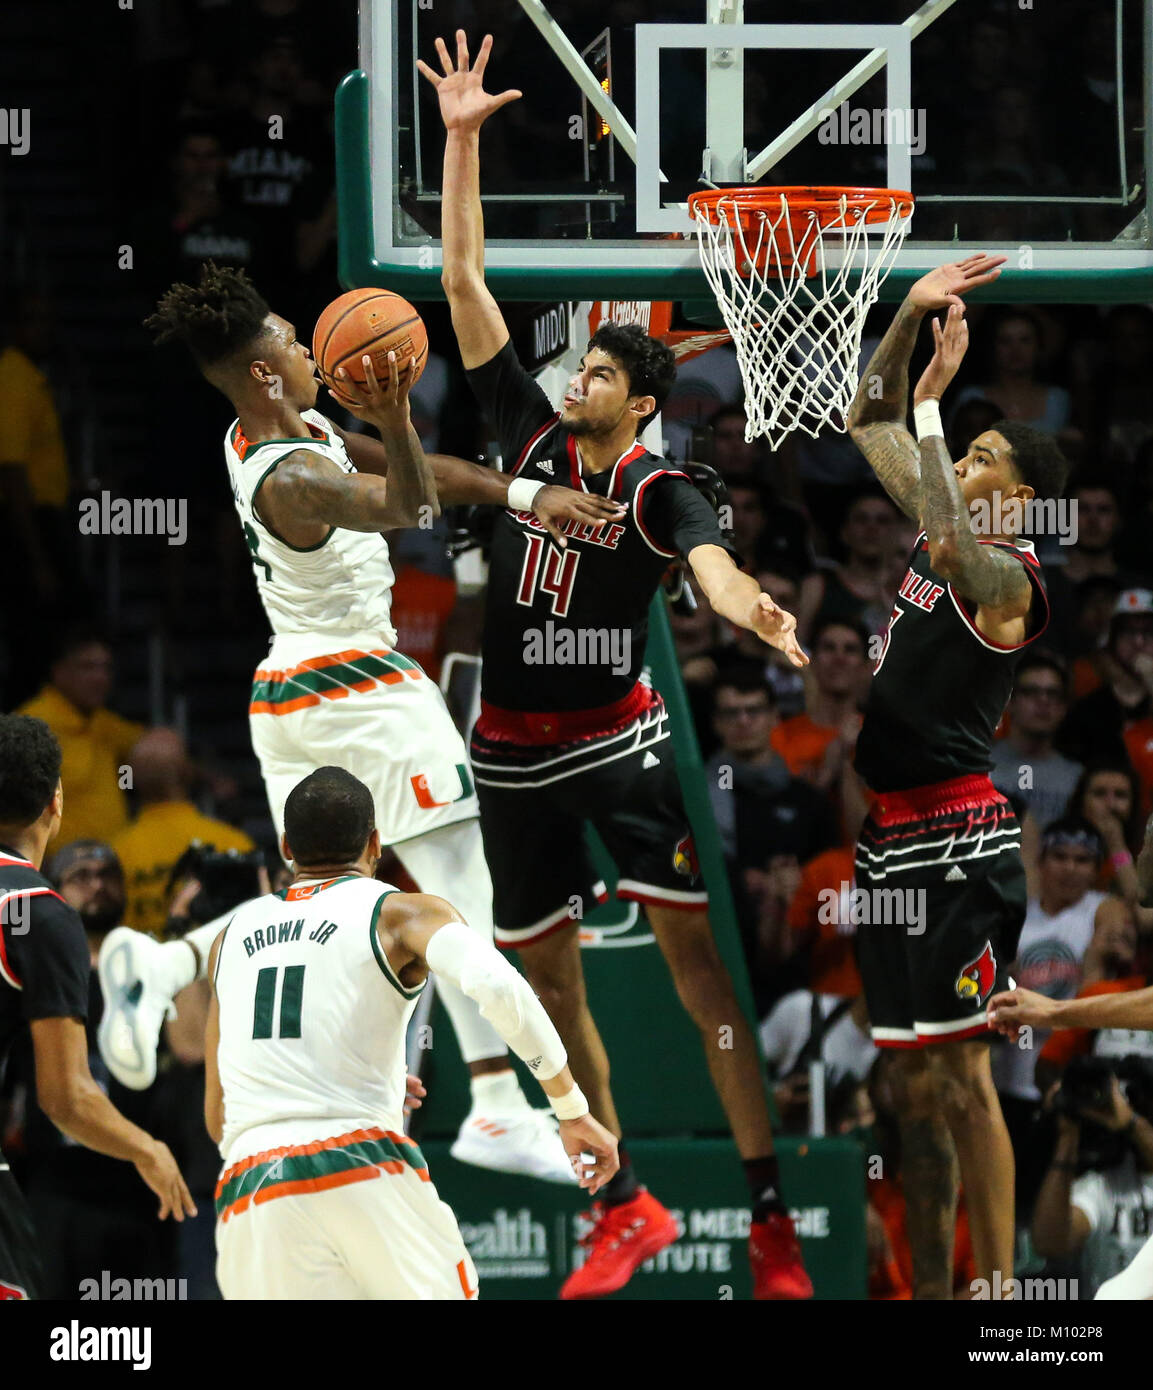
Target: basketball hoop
795, 271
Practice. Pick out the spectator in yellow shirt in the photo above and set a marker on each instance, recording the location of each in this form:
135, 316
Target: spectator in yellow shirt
40, 544
166, 824
97, 744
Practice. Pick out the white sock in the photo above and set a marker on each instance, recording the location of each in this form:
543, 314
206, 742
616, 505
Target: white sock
177, 966
498, 1093
450, 863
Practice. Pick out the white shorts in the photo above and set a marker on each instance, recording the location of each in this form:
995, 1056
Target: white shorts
370, 710
384, 1234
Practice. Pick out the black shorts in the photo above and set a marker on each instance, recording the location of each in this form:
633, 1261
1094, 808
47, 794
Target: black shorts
533, 812
19, 1262
941, 909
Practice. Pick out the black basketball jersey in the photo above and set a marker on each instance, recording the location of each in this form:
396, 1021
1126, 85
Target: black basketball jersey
940, 685
44, 958
565, 629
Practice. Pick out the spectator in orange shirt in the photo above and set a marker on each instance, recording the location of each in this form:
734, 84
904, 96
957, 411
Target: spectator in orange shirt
1109, 967
96, 743
816, 744
821, 920
1094, 602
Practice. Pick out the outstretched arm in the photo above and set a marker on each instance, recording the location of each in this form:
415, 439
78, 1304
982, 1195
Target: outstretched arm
429, 931
479, 325
1022, 1008
877, 417
992, 578
737, 596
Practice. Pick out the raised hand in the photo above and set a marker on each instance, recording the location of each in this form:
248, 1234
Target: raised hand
949, 346
464, 104
944, 286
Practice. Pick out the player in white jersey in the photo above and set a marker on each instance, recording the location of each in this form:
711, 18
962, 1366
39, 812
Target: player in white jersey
322, 1196
312, 502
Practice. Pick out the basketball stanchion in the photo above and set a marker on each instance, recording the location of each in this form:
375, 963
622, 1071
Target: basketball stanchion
794, 271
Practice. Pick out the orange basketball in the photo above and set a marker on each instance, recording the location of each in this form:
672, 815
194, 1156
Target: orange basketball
373, 322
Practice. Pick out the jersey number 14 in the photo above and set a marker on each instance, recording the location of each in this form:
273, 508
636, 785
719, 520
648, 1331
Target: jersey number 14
560, 567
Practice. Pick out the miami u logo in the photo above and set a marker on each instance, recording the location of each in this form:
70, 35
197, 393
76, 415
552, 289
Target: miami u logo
426, 799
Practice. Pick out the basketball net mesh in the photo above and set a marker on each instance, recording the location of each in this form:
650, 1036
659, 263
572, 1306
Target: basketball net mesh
798, 335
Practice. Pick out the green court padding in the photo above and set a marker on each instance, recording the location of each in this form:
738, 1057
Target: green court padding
523, 1233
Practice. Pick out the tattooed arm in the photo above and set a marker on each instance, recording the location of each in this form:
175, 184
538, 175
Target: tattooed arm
878, 414
991, 578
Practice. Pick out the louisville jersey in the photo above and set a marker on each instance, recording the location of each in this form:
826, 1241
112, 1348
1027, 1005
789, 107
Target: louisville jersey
940, 685
312, 1016
44, 958
565, 629
339, 586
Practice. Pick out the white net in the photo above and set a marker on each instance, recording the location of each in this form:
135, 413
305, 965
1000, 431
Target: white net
794, 288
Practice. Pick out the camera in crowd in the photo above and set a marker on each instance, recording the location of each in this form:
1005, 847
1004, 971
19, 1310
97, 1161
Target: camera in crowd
227, 878
1086, 1091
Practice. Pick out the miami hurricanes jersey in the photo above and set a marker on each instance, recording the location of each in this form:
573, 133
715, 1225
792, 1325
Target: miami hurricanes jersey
940, 686
312, 1017
343, 584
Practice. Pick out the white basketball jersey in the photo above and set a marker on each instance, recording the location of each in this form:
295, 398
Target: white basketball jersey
312, 1016
342, 585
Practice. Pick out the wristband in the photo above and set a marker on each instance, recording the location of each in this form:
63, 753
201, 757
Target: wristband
1120, 859
927, 418
521, 492
571, 1106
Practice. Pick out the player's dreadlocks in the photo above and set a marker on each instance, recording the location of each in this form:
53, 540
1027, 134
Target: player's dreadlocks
215, 319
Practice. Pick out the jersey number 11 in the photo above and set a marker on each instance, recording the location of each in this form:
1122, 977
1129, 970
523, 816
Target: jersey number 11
290, 999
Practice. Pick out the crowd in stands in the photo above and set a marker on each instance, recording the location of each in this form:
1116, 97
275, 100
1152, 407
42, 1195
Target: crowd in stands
1074, 751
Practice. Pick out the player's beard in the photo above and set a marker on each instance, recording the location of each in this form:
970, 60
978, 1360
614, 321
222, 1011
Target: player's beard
99, 921
578, 427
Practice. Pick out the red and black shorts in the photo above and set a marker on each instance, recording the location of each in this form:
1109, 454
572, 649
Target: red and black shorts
535, 805
942, 904
19, 1262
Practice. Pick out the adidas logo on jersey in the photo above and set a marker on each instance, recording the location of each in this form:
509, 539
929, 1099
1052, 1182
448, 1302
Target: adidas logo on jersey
955, 875
650, 759
545, 466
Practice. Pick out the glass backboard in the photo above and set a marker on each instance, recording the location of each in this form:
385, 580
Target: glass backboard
1022, 129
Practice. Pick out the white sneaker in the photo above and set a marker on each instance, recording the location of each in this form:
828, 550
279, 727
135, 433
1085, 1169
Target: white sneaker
134, 1007
527, 1143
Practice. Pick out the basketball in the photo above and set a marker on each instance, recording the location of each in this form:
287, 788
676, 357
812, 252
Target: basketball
368, 321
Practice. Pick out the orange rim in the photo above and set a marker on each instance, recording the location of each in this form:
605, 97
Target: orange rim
875, 204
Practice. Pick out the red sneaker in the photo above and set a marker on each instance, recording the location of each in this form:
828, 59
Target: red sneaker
623, 1238
775, 1255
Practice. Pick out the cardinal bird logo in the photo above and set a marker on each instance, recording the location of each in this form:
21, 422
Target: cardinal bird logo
977, 978
685, 857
